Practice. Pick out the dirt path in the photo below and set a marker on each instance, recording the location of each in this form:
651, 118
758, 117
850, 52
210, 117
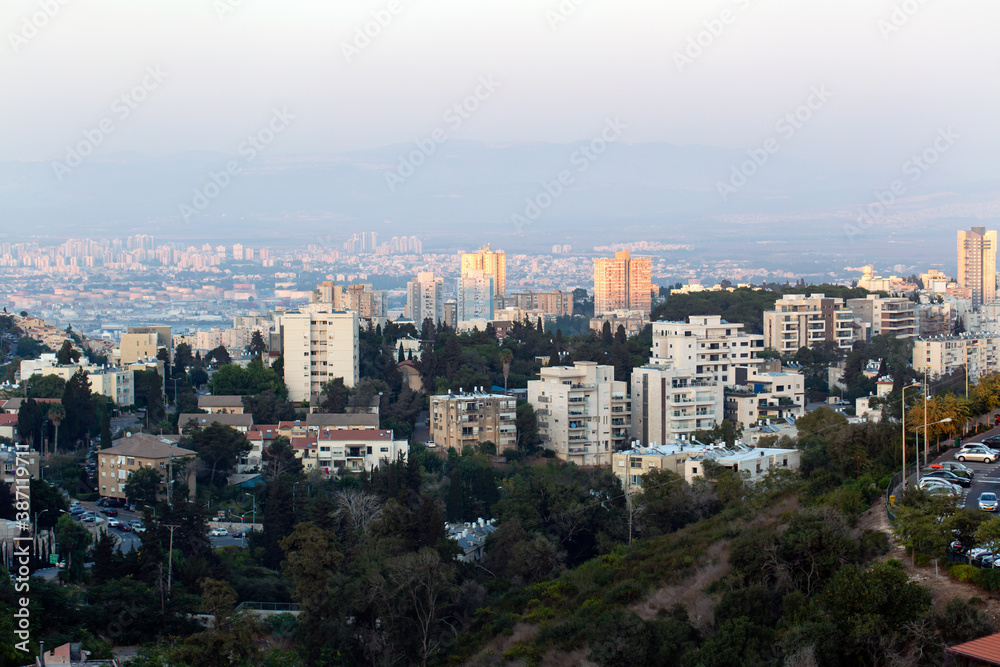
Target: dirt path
943, 587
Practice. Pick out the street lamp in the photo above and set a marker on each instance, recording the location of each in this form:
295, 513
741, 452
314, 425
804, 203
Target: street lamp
903, 404
946, 420
154, 511
253, 521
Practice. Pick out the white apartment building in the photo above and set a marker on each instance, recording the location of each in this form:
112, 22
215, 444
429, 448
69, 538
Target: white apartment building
583, 413
756, 396
475, 296
425, 299
889, 317
706, 347
670, 404
688, 461
799, 321
319, 344
341, 451
946, 354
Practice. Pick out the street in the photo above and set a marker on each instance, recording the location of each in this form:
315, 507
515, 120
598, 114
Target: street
987, 475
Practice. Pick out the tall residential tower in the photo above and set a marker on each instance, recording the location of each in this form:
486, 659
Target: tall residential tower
977, 264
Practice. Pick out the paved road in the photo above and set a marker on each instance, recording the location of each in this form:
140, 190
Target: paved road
987, 476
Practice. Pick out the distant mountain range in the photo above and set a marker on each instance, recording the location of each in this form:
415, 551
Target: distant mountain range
466, 192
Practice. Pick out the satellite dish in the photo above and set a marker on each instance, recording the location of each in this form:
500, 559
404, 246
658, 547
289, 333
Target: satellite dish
128, 434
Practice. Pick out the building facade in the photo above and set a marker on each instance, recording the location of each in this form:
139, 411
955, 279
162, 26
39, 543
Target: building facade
895, 317
127, 455
948, 354
490, 262
799, 321
977, 264
706, 347
341, 451
583, 412
758, 396
425, 299
469, 418
319, 344
670, 404
622, 283
475, 296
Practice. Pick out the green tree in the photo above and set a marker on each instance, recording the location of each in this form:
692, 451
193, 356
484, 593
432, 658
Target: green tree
280, 459
74, 540
220, 447
67, 354
183, 359
56, 415
81, 412
46, 386
527, 428
334, 396
143, 486
257, 346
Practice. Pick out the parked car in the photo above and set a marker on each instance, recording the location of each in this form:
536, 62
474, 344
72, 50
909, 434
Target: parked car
932, 485
102, 502
992, 440
976, 452
975, 555
137, 526
76, 510
114, 523
988, 501
957, 546
219, 532
88, 518
109, 512
949, 476
125, 527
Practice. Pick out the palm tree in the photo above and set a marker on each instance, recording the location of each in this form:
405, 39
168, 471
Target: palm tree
57, 413
506, 356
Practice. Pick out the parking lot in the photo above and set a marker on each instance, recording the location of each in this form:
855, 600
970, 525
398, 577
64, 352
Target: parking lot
987, 475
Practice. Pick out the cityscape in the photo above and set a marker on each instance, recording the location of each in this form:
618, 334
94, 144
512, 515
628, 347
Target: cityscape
529, 334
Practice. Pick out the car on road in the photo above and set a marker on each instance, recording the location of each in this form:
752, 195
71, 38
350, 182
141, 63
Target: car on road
949, 476
988, 502
238, 533
219, 532
76, 511
976, 452
109, 512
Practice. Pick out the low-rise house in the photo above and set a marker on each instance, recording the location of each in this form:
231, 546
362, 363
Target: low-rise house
221, 405
133, 453
471, 538
338, 451
187, 422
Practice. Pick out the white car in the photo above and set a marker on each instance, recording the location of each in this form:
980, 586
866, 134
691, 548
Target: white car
114, 523
219, 532
976, 451
935, 486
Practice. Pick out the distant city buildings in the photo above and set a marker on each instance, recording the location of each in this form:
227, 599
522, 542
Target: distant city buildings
475, 292
977, 264
425, 299
555, 303
489, 262
622, 283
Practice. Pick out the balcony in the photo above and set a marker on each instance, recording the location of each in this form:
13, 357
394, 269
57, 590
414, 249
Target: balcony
581, 386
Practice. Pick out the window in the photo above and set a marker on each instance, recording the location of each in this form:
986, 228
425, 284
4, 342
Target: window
636, 463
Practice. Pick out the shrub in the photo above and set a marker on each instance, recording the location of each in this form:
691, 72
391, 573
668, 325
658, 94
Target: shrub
989, 580
966, 573
874, 543
626, 592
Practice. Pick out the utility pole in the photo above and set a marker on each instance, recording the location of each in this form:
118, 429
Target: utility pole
170, 557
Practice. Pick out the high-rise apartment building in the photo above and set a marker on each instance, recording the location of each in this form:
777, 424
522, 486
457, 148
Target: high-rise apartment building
622, 283
583, 412
475, 296
977, 264
799, 321
890, 317
670, 404
706, 347
492, 263
319, 344
425, 299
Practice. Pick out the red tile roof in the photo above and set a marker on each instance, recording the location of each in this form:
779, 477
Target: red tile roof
303, 442
985, 649
8, 420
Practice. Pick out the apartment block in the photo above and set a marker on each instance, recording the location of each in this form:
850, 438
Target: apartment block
555, 303
705, 347
341, 451
947, 354
757, 396
319, 344
689, 460
225, 405
425, 299
469, 418
583, 413
135, 347
115, 383
632, 321
977, 264
895, 317
670, 404
491, 263
799, 321
622, 283
475, 296
367, 302
133, 453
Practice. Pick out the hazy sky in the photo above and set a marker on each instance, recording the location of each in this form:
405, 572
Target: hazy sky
562, 72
